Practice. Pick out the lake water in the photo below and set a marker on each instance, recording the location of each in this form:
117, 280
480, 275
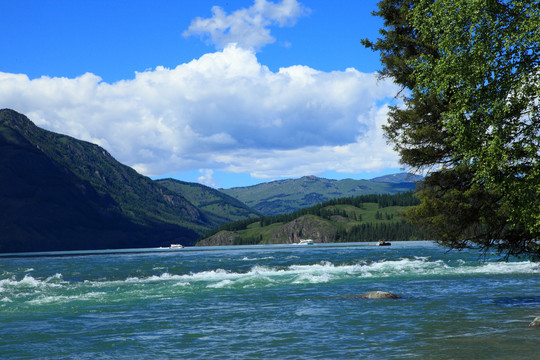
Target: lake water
269, 302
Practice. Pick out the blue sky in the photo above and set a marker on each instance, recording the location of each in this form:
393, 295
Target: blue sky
226, 93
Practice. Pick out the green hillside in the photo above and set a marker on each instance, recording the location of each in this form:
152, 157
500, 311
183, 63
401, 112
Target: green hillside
354, 219
286, 196
60, 193
218, 207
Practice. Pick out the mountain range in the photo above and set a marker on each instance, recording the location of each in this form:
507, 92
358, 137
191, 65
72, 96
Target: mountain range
61, 193
286, 196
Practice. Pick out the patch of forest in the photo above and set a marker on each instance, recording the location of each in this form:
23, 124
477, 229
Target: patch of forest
352, 219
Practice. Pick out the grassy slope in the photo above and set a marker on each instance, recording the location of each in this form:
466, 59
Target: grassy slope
339, 218
218, 207
367, 215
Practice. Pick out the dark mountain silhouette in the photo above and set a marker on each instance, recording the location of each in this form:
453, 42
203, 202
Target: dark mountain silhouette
60, 193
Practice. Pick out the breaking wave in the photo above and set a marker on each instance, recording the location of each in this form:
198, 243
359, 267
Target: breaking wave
55, 289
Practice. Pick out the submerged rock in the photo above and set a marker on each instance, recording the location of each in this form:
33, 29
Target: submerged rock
535, 322
379, 295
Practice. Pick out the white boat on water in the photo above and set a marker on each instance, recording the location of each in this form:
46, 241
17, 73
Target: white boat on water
306, 242
175, 246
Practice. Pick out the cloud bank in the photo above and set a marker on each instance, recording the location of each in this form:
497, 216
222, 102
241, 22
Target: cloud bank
249, 28
224, 111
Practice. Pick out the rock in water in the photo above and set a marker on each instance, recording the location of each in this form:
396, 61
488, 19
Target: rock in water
379, 295
535, 322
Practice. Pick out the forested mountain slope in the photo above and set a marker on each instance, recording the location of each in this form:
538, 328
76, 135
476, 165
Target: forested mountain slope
60, 193
355, 219
286, 196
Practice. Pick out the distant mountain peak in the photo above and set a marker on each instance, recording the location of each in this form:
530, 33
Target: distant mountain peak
398, 178
285, 196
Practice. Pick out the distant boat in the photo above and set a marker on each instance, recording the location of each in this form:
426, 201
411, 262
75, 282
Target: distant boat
383, 243
175, 246
306, 242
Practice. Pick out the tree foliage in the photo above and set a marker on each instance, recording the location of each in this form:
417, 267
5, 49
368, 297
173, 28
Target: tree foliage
470, 77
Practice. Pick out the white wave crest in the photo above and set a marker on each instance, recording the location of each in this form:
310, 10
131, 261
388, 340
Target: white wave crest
28, 281
59, 299
55, 288
221, 284
523, 267
245, 258
327, 271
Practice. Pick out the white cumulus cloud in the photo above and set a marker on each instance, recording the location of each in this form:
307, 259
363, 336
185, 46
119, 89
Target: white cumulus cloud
224, 111
207, 177
249, 28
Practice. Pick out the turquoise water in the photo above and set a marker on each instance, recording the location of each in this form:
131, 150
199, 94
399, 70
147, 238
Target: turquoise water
269, 302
